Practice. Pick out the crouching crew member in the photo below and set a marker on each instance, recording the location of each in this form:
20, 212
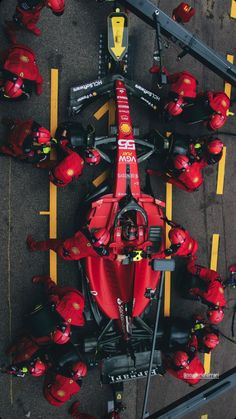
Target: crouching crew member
60, 386
68, 302
204, 337
182, 244
185, 170
183, 13
19, 74
27, 140
210, 108
211, 293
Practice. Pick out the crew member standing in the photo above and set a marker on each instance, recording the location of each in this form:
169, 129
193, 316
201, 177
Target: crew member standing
27, 15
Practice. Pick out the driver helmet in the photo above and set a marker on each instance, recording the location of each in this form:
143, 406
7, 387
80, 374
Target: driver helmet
129, 231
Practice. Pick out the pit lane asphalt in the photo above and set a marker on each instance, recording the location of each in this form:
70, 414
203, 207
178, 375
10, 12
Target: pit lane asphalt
71, 44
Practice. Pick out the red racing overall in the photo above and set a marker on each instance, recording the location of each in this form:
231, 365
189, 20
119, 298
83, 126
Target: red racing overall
69, 168
58, 389
21, 61
191, 374
69, 302
215, 291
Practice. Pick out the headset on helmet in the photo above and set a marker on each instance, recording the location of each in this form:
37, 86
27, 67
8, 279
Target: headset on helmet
177, 235
57, 6
79, 370
174, 108
14, 87
62, 334
215, 316
211, 340
42, 135
181, 359
92, 156
37, 368
181, 162
100, 237
215, 146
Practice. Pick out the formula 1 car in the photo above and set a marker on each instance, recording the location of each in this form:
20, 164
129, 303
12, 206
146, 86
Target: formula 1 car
119, 294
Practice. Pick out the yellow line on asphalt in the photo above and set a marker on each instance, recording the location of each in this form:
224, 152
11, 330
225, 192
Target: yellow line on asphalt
53, 188
228, 86
101, 178
112, 113
168, 274
221, 174
233, 9
102, 111
213, 265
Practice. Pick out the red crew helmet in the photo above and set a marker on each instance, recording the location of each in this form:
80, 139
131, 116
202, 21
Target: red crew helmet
177, 235
92, 156
57, 6
62, 334
181, 162
130, 232
215, 146
79, 370
37, 368
211, 340
42, 135
215, 316
181, 359
217, 121
174, 108
14, 88
101, 237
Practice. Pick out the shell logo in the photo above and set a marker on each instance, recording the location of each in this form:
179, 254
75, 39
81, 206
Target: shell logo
70, 172
187, 81
125, 128
75, 250
61, 393
21, 74
24, 59
76, 306
223, 103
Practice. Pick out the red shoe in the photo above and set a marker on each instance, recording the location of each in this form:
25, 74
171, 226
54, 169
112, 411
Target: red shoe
36, 31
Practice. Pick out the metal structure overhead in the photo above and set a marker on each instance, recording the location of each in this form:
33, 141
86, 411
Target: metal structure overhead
189, 43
